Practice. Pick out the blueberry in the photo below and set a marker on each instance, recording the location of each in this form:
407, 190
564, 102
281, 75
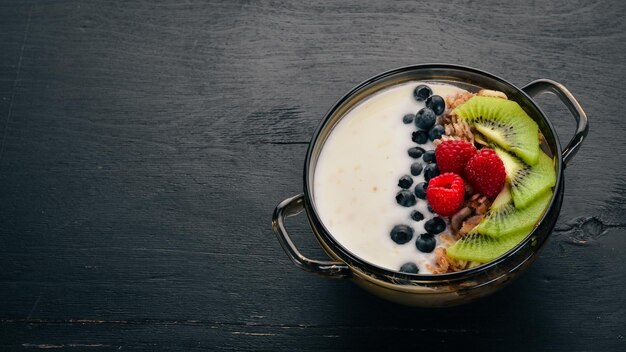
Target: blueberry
416, 152
425, 118
405, 198
422, 92
436, 132
408, 118
430, 208
425, 243
405, 181
420, 190
435, 225
417, 216
401, 234
416, 169
430, 171
429, 156
436, 104
420, 137
409, 268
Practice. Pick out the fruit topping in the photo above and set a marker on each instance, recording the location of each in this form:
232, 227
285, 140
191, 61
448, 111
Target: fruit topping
401, 234
445, 193
504, 218
405, 198
435, 225
425, 243
430, 171
453, 155
436, 132
429, 156
505, 123
436, 104
417, 216
485, 172
405, 181
415, 152
425, 118
527, 182
482, 249
420, 190
506, 226
419, 137
416, 169
487, 178
409, 268
422, 92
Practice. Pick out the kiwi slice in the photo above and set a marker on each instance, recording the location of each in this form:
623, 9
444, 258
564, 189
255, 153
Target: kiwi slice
527, 182
505, 123
510, 226
480, 248
504, 218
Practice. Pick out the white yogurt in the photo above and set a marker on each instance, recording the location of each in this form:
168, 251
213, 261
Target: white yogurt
357, 173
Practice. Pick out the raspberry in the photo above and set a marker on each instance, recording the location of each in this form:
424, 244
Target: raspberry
453, 155
445, 193
485, 172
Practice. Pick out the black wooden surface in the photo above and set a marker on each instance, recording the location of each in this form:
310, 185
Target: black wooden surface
144, 145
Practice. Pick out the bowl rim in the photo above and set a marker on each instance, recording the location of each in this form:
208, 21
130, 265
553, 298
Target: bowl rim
353, 260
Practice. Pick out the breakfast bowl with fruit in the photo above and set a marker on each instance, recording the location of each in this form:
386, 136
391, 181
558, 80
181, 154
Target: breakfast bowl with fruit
432, 185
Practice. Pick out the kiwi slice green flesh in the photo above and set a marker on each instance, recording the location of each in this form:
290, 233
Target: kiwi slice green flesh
505, 123
504, 219
527, 182
480, 247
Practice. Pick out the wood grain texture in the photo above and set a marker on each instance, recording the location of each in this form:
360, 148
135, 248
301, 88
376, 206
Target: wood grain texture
146, 143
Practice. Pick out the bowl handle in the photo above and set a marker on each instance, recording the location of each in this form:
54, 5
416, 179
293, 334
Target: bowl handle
294, 206
548, 86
